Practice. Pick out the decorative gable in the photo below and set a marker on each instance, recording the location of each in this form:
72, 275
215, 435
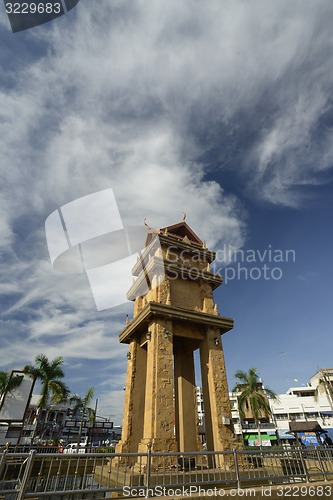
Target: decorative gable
182, 231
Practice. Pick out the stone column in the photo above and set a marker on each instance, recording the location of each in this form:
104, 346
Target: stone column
219, 433
134, 399
186, 422
159, 420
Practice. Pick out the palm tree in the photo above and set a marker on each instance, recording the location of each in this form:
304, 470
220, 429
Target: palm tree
49, 373
8, 383
328, 388
253, 396
81, 404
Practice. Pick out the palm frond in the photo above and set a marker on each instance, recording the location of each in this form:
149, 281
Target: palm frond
271, 394
8, 383
82, 403
91, 414
59, 391
31, 371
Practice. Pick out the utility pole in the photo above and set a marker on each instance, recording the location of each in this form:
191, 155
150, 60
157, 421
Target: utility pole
93, 424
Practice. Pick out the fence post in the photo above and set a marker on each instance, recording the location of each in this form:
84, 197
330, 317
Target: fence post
234, 451
148, 469
300, 450
3, 463
321, 464
26, 475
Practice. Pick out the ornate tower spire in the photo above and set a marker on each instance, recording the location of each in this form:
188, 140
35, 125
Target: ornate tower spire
175, 314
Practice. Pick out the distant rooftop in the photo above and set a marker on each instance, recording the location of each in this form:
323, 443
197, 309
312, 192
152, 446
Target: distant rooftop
304, 389
327, 371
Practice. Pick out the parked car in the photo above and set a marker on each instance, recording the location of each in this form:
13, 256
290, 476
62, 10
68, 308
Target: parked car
74, 448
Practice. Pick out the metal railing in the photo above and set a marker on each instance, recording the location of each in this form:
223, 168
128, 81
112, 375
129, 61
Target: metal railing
93, 475
263, 425
25, 448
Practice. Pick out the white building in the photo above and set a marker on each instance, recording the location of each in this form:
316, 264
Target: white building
58, 422
301, 404
200, 405
23, 433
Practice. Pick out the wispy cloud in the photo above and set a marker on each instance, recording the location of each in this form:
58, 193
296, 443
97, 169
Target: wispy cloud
159, 102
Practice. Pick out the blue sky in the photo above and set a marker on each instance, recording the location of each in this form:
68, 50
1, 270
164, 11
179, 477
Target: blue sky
223, 110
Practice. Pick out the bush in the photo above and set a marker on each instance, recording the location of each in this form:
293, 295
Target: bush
104, 449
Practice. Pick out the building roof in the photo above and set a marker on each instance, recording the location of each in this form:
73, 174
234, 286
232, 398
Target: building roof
292, 391
308, 426
178, 231
304, 388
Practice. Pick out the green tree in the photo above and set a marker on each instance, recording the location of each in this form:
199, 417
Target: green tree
251, 396
82, 405
8, 383
49, 373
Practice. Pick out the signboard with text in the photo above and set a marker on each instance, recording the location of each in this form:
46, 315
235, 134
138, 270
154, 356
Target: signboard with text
87, 424
308, 439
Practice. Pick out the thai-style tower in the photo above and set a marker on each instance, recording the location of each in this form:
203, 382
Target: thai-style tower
174, 314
